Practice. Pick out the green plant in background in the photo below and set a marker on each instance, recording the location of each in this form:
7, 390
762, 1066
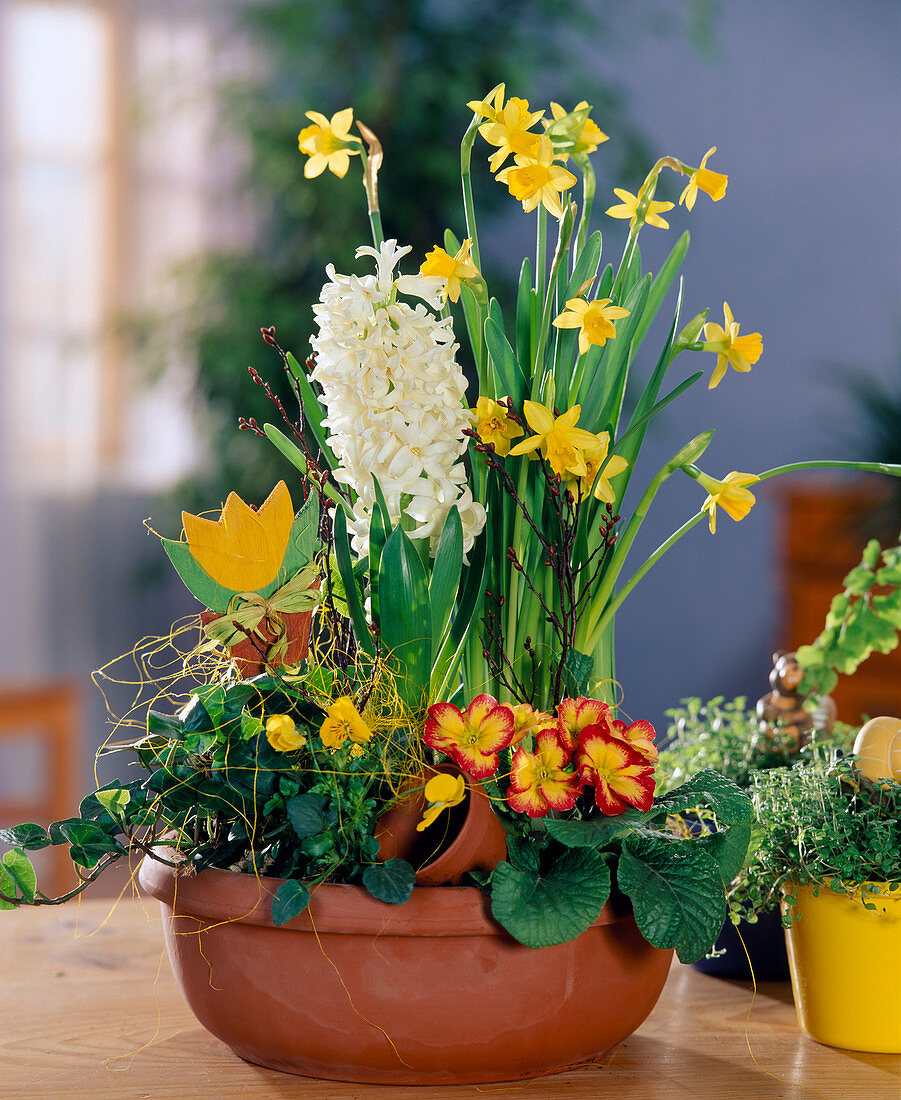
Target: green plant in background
864, 618
726, 736
821, 824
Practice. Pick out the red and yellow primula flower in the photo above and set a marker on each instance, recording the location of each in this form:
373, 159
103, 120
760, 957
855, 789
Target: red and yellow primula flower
539, 781
573, 715
639, 735
620, 774
528, 721
472, 738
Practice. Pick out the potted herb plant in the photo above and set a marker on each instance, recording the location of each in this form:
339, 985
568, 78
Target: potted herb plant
458, 566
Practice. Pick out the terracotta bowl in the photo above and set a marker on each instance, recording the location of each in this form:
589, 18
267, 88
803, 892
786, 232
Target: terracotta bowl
430, 992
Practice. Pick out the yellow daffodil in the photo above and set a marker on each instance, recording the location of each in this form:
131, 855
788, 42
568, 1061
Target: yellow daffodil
282, 734
328, 144
629, 207
740, 351
494, 424
508, 127
561, 442
243, 549
600, 468
343, 722
593, 319
451, 268
590, 136
538, 179
702, 179
729, 494
441, 792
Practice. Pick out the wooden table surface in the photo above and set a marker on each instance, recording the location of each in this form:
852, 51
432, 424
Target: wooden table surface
89, 1008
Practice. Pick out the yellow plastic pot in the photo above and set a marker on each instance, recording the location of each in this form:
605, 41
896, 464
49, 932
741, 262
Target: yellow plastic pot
845, 964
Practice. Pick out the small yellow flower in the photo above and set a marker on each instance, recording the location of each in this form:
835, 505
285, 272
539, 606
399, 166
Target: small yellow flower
508, 126
343, 722
600, 468
494, 424
283, 735
441, 792
590, 137
628, 208
328, 144
740, 351
702, 179
537, 179
452, 268
593, 319
561, 442
728, 494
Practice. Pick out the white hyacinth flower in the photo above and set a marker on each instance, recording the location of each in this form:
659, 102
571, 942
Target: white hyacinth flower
394, 399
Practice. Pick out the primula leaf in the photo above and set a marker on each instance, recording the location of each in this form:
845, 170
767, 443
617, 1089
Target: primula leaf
307, 814
18, 867
291, 898
729, 802
728, 847
28, 836
543, 909
677, 893
597, 832
391, 881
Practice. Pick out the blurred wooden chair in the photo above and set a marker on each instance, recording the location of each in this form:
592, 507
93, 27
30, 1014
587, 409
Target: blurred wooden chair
46, 714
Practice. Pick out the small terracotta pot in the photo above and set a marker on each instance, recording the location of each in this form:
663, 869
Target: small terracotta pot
467, 837
247, 656
429, 992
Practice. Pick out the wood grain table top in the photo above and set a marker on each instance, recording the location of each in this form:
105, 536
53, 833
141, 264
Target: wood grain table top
89, 1008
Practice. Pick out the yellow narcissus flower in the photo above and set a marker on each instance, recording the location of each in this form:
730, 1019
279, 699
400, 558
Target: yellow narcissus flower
451, 268
740, 351
702, 179
600, 468
591, 135
561, 442
629, 207
729, 494
593, 319
494, 424
282, 734
508, 126
441, 792
538, 180
243, 549
328, 144
343, 722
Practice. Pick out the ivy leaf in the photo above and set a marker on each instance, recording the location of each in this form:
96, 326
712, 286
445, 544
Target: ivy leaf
18, 868
89, 842
728, 847
677, 894
391, 881
539, 909
114, 801
8, 887
727, 800
306, 812
28, 836
595, 833
291, 898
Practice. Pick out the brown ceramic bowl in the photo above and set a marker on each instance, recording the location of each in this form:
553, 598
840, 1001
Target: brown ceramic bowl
429, 992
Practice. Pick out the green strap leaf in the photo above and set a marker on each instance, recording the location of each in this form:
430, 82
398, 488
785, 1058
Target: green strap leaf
661, 285
445, 579
677, 893
511, 379
297, 458
405, 618
351, 594
312, 411
540, 910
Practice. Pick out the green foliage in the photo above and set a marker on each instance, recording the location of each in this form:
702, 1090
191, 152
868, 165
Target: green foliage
391, 881
554, 883
820, 824
291, 898
864, 618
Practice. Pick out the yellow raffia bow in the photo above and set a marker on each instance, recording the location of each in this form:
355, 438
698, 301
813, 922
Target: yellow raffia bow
248, 610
